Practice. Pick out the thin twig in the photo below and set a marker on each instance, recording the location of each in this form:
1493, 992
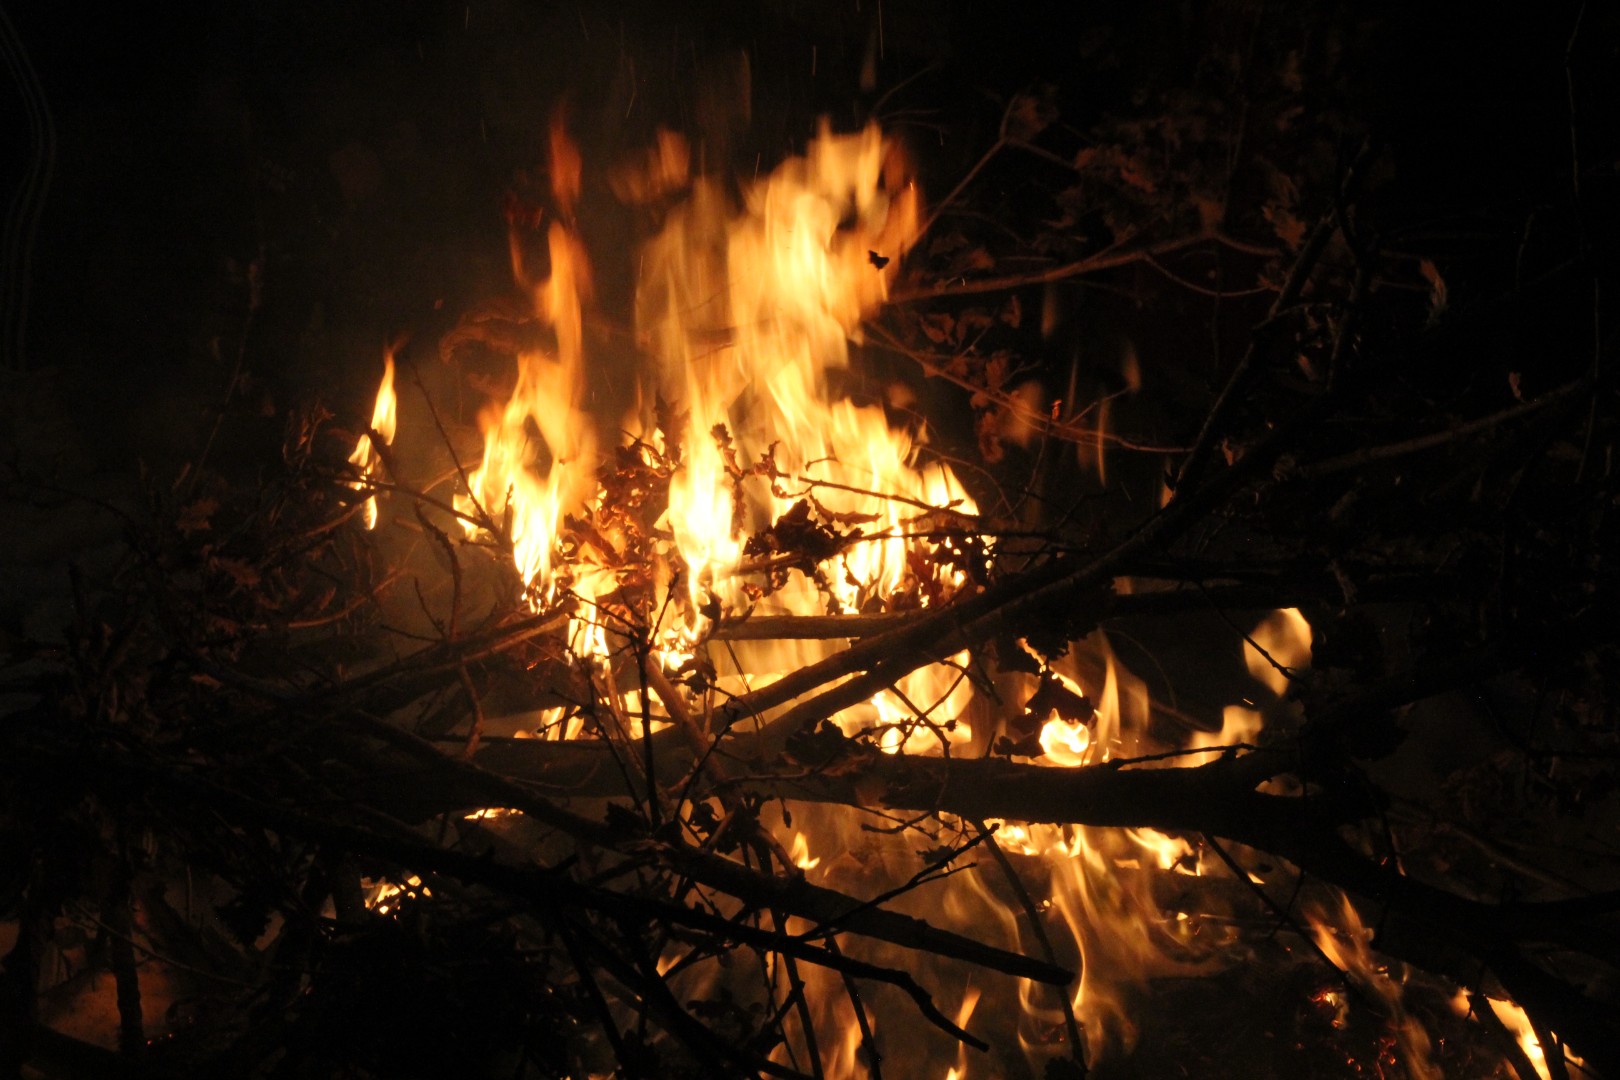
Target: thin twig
1116, 255
873, 1057
1388, 451
121, 951
1310, 253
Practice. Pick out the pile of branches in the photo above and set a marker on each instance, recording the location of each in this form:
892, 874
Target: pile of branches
239, 788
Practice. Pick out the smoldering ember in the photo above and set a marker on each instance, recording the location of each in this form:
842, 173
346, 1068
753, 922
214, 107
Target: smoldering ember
815, 540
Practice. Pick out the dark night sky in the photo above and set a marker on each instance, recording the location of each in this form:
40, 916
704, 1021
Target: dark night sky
364, 148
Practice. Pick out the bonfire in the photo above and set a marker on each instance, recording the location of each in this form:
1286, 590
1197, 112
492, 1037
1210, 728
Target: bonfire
730, 718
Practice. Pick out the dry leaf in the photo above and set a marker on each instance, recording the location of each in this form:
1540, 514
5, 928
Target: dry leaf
1437, 289
194, 515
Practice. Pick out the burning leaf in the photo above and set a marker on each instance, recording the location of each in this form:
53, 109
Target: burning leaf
976, 258
624, 821
794, 531
843, 517
1114, 163
997, 368
1011, 656
1051, 696
697, 672
1028, 744
1211, 210
879, 261
819, 747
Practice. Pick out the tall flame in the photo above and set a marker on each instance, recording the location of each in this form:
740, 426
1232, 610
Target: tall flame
746, 311
539, 447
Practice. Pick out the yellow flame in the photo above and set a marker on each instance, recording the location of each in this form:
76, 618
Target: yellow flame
489, 812
964, 1013
663, 169
384, 421
539, 448
1518, 1024
1066, 743
1344, 940
746, 311
800, 853
1169, 852
1286, 636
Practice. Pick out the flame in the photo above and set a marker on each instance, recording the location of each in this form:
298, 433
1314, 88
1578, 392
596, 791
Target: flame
746, 312
539, 447
1065, 743
964, 1013
1518, 1024
1286, 636
1100, 894
1345, 942
664, 169
746, 309
566, 166
1169, 852
800, 853
384, 421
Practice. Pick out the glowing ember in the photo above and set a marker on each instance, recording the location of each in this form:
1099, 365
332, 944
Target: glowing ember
384, 896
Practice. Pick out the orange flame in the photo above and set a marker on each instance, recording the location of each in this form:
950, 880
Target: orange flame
800, 853
1518, 1024
1286, 638
384, 420
1344, 941
525, 484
